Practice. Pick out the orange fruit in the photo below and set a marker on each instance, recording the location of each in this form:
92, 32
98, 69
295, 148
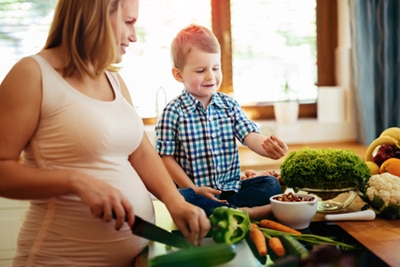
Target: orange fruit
391, 165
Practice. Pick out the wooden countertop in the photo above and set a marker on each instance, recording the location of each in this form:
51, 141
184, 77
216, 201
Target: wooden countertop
251, 160
381, 237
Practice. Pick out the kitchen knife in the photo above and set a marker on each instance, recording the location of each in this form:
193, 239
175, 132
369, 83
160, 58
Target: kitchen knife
152, 232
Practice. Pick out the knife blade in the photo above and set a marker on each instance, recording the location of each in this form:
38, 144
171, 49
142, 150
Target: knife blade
153, 232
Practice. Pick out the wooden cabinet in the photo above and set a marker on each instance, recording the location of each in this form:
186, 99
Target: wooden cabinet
12, 213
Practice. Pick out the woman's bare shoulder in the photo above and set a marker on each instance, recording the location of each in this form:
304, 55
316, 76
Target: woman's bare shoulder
23, 80
25, 70
26, 67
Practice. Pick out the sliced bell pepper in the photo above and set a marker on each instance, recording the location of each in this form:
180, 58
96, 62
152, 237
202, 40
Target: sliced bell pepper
229, 225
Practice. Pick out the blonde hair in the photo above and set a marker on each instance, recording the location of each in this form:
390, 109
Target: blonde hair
84, 28
189, 37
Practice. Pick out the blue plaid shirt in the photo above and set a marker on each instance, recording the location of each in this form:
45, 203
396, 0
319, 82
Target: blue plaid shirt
203, 141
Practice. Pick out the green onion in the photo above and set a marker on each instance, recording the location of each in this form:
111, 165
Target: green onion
309, 238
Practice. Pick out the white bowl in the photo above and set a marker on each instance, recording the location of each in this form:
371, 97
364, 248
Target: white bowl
297, 215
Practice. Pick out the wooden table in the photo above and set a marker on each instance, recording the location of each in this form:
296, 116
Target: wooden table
380, 236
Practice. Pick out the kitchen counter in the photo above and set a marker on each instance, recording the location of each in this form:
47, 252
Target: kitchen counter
381, 237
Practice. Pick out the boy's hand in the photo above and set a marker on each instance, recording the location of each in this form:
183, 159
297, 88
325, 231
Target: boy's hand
209, 193
274, 147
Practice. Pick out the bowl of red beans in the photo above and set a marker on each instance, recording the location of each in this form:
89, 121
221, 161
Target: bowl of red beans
293, 209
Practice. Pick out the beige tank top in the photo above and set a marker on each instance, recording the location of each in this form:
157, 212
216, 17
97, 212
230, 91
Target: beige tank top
95, 137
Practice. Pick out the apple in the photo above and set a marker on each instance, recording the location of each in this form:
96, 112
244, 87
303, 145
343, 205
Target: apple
384, 152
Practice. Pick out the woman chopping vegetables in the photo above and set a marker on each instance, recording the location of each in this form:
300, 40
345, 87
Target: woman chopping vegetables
86, 155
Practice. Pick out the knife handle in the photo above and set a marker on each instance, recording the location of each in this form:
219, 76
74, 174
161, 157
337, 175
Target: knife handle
114, 215
365, 215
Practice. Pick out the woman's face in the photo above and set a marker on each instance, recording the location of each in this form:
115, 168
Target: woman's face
125, 30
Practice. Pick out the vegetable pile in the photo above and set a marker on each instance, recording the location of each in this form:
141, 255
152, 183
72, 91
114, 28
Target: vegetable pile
381, 191
320, 167
267, 236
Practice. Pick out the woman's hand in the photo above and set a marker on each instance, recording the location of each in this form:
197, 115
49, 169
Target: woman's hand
191, 220
103, 200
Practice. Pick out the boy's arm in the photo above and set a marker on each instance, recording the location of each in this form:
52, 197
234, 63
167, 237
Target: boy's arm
271, 147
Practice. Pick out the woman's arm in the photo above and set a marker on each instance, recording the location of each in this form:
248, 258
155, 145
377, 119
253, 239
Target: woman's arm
191, 220
20, 100
177, 173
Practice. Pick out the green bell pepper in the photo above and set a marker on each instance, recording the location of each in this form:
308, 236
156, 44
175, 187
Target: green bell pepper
229, 225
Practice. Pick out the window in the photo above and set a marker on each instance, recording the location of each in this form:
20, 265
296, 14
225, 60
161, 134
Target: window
146, 67
23, 29
275, 44
326, 42
249, 52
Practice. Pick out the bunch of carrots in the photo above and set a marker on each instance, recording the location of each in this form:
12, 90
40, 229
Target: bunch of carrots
271, 235
263, 241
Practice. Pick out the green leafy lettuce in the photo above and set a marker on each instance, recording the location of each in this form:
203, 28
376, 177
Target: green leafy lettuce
320, 167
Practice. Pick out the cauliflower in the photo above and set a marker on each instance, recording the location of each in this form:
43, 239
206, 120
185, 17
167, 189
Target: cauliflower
382, 193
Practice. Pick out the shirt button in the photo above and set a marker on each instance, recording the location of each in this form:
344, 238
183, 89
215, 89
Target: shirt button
213, 135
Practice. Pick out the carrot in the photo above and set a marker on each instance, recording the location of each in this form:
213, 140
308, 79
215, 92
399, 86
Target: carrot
265, 223
276, 245
258, 239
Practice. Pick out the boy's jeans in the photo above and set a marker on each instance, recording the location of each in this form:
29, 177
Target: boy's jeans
253, 192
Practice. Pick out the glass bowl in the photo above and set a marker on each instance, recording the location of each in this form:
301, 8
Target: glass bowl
335, 197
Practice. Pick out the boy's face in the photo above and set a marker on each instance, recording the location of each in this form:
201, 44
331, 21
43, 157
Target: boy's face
201, 75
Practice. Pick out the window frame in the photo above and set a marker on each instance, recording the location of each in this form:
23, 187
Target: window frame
327, 39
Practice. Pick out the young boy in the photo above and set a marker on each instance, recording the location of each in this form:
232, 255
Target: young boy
197, 132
